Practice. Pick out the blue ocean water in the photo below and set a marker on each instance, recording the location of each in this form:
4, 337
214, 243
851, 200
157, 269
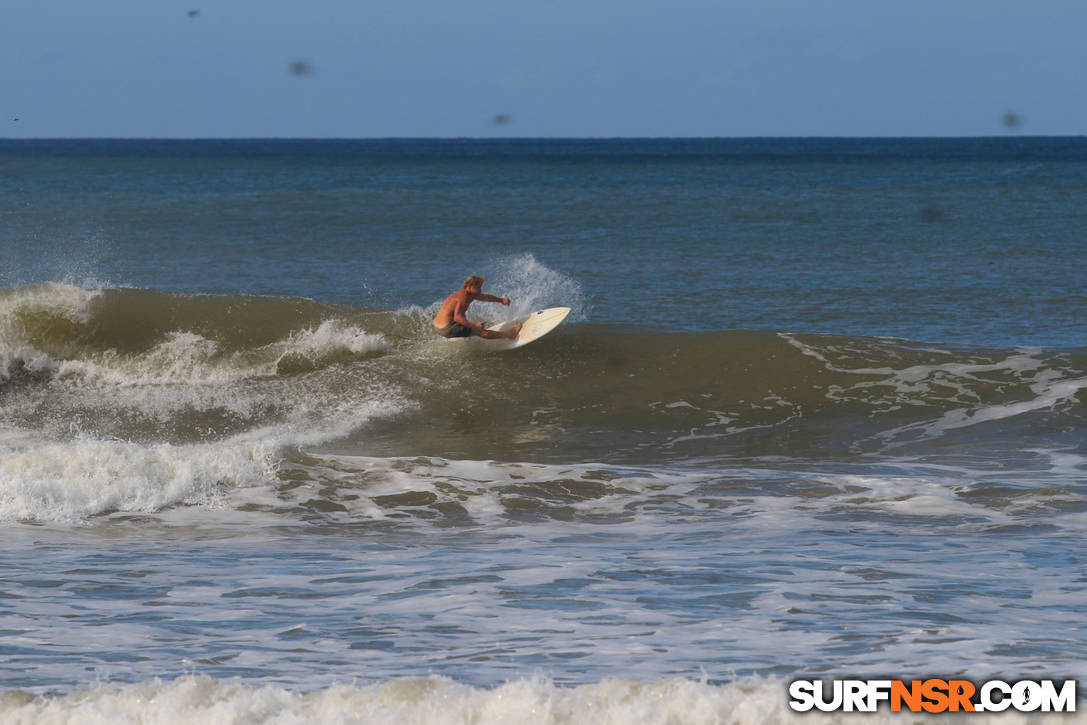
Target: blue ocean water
967, 240
819, 410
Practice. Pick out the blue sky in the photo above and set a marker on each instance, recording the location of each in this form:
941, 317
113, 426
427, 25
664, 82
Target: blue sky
583, 68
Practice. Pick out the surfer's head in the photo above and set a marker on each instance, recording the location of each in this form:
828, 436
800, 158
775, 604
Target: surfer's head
474, 281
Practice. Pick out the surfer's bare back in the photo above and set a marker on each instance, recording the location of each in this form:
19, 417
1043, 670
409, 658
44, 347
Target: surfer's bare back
451, 321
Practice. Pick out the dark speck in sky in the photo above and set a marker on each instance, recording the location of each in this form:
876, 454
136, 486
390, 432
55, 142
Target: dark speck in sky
300, 68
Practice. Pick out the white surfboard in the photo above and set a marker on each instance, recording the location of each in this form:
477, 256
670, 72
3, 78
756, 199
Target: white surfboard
535, 326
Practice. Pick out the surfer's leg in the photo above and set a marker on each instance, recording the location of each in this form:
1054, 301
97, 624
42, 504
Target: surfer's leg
506, 335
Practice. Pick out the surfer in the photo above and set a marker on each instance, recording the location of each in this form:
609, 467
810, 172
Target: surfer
451, 322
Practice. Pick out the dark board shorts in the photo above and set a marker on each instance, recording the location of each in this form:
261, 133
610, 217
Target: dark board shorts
455, 329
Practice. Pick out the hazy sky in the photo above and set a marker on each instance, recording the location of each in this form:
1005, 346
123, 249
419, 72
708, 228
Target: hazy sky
378, 68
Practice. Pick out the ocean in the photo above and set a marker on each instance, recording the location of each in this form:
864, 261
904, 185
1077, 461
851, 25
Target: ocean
818, 412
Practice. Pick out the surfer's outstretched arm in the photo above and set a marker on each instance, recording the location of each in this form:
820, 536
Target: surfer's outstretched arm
491, 298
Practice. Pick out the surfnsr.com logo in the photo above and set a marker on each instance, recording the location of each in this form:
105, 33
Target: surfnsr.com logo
933, 695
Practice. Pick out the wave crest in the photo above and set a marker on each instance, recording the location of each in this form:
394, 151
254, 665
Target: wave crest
71, 481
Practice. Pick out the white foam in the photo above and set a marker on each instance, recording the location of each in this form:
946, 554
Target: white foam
182, 357
182, 383
1049, 391
953, 383
25, 357
71, 480
189, 358
489, 490
68, 482
657, 498
915, 496
193, 700
333, 336
925, 379
316, 422
1062, 462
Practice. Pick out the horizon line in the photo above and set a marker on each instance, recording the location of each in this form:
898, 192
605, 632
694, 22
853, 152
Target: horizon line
827, 137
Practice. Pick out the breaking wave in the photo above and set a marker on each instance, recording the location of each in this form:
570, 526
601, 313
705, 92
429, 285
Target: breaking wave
139, 400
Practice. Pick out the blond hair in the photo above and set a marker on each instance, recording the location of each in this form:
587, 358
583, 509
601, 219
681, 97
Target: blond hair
473, 281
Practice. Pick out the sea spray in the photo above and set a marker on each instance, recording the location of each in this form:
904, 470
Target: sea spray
532, 285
